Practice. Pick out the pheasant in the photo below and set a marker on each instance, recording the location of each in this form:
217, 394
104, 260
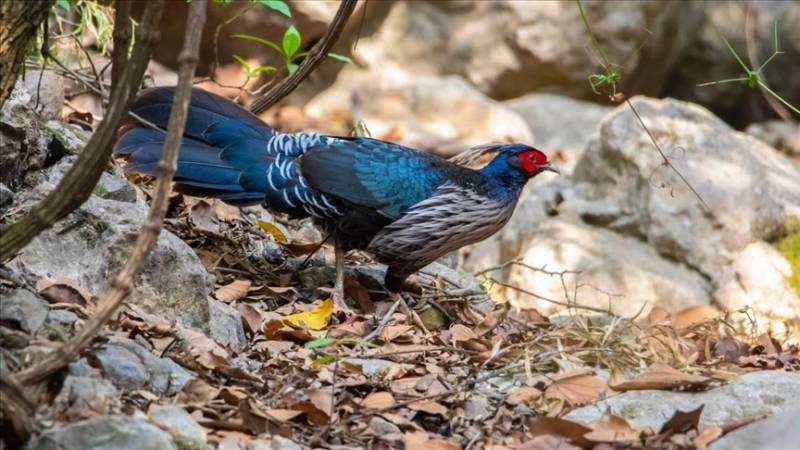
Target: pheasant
405, 207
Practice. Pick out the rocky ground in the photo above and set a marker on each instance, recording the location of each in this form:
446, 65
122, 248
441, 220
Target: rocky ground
617, 309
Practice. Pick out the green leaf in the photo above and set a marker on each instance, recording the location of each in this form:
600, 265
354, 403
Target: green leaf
342, 58
291, 41
277, 5
260, 41
242, 61
320, 342
260, 69
292, 67
325, 359
63, 3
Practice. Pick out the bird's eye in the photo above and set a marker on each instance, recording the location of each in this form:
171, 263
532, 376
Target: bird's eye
530, 157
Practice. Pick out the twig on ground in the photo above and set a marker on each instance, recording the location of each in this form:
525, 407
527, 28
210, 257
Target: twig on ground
16, 407
123, 281
317, 54
384, 321
80, 180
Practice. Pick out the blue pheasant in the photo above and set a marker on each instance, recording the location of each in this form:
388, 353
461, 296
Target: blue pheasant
405, 207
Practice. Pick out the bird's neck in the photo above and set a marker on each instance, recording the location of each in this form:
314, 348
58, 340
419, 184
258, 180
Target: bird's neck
503, 179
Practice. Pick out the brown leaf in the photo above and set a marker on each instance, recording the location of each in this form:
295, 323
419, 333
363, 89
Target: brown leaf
662, 376
204, 350
568, 429
392, 332
546, 442
378, 400
577, 388
63, 290
232, 291
731, 349
765, 345
613, 429
706, 435
492, 320
197, 391
460, 332
681, 422
203, 216
695, 314
225, 211
321, 398
282, 415
428, 406
251, 317
523, 394
418, 440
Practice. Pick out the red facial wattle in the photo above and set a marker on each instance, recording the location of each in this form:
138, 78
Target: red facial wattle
531, 160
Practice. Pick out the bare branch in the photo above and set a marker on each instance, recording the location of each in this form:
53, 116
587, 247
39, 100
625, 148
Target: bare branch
123, 281
79, 181
16, 407
317, 54
19, 22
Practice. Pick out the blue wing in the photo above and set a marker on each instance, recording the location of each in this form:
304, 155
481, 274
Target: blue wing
378, 175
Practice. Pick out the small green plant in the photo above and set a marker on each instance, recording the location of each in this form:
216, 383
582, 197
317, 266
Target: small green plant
752, 77
10, 219
288, 49
92, 18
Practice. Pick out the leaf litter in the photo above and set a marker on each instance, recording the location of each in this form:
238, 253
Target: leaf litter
500, 380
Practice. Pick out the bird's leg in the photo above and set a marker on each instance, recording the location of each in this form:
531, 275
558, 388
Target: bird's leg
338, 285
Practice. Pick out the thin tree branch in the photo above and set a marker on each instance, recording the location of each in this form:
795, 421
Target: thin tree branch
317, 54
123, 281
16, 407
78, 183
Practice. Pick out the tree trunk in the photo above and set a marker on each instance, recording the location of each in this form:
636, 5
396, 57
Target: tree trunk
19, 22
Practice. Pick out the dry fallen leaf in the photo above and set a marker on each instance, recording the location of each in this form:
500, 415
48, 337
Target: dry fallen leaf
706, 435
418, 440
577, 388
461, 333
63, 290
428, 406
315, 319
393, 332
523, 394
378, 400
695, 314
233, 291
613, 429
662, 376
681, 422
251, 317
568, 429
205, 351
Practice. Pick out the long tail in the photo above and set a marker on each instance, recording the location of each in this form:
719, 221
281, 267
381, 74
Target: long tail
226, 153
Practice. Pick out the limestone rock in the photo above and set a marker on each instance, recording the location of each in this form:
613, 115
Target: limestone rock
754, 394
440, 114
131, 366
92, 243
777, 432
510, 48
105, 433
185, 431
24, 308
617, 272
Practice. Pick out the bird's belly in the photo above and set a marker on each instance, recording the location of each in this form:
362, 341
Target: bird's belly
430, 231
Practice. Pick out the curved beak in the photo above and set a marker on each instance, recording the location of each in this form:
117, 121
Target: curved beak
550, 167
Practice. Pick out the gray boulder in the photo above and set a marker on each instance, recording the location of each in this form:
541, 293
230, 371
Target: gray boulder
25, 308
185, 431
753, 395
778, 432
510, 48
92, 243
105, 433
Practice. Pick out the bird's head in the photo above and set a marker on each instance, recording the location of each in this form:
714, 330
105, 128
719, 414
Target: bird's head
519, 163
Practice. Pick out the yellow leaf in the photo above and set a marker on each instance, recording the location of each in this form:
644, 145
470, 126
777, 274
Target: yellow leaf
315, 319
276, 230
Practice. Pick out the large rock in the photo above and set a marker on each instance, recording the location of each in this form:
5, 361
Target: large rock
618, 273
130, 367
441, 114
24, 308
91, 244
620, 183
708, 59
754, 394
510, 48
30, 138
782, 135
778, 432
105, 433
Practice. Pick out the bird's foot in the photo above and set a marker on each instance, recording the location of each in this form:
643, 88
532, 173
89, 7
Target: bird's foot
338, 299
